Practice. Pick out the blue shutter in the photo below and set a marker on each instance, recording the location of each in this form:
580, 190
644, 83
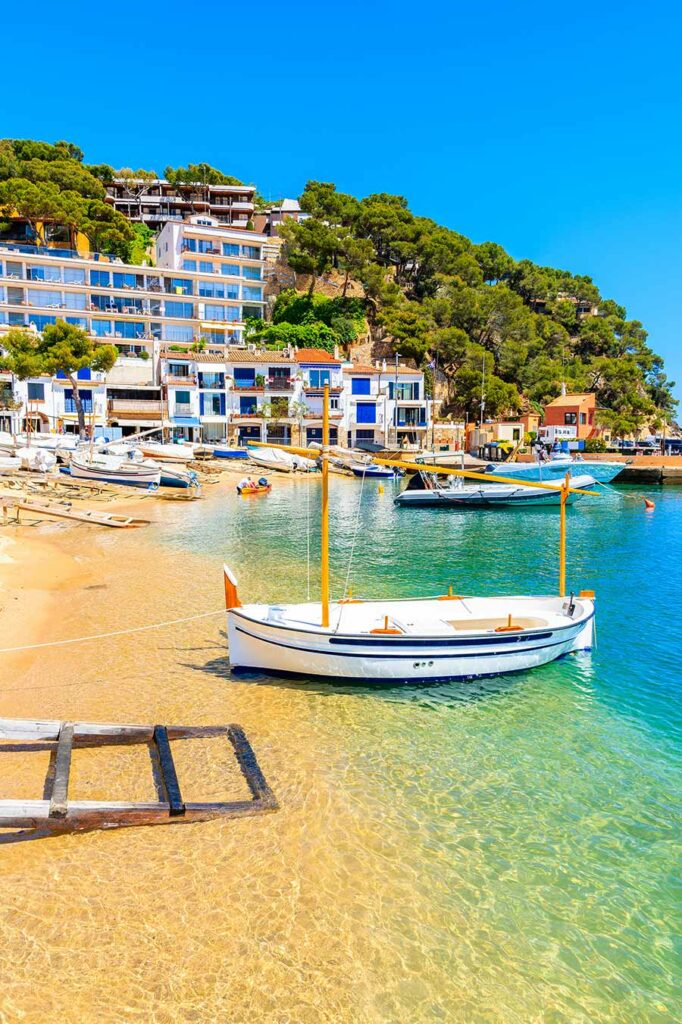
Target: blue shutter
415, 388
84, 373
222, 405
201, 404
367, 412
360, 386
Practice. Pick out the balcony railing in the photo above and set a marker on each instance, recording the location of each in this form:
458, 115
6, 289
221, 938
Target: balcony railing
183, 409
135, 408
169, 378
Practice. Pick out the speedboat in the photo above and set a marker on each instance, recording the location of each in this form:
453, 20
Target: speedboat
424, 491
114, 469
557, 466
446, 636
370, 469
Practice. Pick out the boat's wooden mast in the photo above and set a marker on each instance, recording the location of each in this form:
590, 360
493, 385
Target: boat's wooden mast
565, 491
324, 535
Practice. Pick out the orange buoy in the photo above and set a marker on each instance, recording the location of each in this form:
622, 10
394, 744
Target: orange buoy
649, 505
381, 488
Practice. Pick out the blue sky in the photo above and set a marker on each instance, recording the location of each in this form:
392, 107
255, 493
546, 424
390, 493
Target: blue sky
554, 131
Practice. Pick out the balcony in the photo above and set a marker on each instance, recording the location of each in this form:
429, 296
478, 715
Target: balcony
279, 384
134, 409
183, 409
169, 378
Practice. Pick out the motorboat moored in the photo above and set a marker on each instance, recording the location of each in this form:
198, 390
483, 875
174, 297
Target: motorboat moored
556, 468
425, 491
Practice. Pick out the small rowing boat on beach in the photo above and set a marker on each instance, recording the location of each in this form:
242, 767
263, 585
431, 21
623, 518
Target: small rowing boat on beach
114, 469
167, 452
280, 460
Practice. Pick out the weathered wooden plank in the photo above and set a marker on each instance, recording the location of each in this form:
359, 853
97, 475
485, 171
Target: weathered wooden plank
47, 729
168, 772
250, 767
60, 787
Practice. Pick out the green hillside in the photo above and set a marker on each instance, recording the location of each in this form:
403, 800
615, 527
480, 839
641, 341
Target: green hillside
430, 292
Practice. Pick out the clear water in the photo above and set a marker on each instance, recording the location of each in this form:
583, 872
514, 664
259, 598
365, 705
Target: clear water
486, 852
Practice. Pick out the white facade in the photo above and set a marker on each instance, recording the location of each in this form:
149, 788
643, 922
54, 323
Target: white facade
385, 405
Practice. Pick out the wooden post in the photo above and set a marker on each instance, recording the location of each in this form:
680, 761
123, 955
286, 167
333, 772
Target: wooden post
562, 535
62, 769
324, 554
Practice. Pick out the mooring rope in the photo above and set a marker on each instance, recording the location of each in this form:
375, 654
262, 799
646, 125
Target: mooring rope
355, 535
115, 632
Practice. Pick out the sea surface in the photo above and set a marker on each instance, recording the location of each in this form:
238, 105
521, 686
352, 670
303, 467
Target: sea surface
501, 851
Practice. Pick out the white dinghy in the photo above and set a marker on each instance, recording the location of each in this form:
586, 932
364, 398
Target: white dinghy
114, 469
442, 637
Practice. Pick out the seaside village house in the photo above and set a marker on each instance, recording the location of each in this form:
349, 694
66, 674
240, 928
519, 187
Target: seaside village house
184, 363
570, 420
385, 405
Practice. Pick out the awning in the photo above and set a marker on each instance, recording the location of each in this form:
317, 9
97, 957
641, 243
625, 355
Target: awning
186, 421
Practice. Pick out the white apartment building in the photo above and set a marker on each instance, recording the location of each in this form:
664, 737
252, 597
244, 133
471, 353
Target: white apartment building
385, 405
156, 202
207, 283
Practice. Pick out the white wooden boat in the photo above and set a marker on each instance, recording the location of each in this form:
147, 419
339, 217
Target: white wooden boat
370, 469
424, 491
114, 469
170, 474
167, 452
280, 459
556, 467
38, 460
9, 463
391, 641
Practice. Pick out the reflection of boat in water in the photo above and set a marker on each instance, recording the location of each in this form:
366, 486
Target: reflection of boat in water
556, 467
379, 641
424, 491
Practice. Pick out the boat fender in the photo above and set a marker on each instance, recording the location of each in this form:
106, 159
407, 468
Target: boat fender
649, 505
263, 481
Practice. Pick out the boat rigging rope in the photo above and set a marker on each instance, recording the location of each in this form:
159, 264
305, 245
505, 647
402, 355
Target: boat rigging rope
355, 535
115, 632
307, 511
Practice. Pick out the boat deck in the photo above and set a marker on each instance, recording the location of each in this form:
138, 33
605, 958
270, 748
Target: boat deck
448, 615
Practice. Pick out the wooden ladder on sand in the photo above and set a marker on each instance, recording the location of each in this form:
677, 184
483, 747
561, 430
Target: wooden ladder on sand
83, 515
55, 813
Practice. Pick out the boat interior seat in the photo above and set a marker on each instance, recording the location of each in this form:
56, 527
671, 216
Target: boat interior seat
523, 621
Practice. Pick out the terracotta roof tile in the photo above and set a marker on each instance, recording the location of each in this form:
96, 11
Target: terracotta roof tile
368, 368
315, 355
243, 355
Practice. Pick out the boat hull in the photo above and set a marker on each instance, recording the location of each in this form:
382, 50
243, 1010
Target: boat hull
230, 453
278, 649
140, 478
490, 496
602, 472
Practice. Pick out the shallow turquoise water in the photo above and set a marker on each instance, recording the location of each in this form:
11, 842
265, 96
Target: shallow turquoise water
541, 809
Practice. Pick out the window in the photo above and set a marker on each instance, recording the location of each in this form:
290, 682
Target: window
212, 289
231, 269
247, 404
181, 310
251, 252
404, 392
36, 392
229, 249
14, 269
360, 386
85, 397
516, 434
100, 278
212, 405
252, 273
244, 377
583, 417
178, 370
123, 329
189, 264
211, 380
205, 245
182, 397
44, 273
366, 412
74, 275
318, 378
364, 435
214, 312
251, 312
41, 322
252, 294
205, 266
570, 419
178, 286
102, 328
75, 300
190, 244
124, 280
35, 297
177, 332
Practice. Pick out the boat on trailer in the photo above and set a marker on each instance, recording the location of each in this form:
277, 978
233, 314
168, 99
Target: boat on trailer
424, 491
447, 636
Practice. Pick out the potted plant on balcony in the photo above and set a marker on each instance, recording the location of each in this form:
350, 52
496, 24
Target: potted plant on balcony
260, 380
